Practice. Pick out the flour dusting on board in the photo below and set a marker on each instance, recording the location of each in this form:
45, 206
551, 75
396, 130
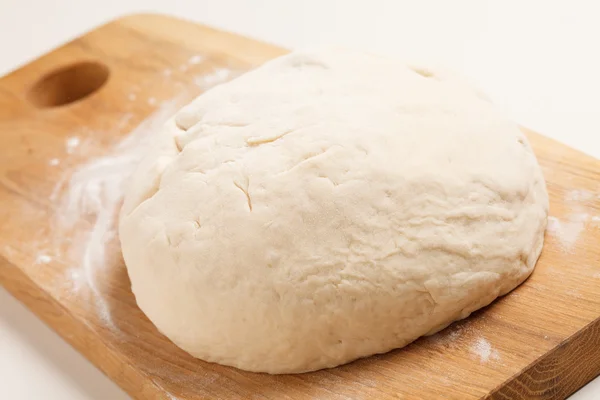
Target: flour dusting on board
483, 350
567, 229
196, 59
449, 336
90, 197
91, 202
578, 196
72, 144
43, 259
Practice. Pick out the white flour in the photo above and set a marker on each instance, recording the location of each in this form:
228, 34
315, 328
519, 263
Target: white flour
43, 259
459, 335
567, 231
197, 59
568, 228
448, 336
483, 350
89, 199
93, 194
72, 144
578, 196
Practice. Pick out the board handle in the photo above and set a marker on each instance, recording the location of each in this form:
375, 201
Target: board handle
68, 84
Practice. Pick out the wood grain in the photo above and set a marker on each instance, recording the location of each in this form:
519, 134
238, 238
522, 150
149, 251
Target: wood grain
540, 341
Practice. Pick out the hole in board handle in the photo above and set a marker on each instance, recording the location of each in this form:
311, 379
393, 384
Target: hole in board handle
68, 84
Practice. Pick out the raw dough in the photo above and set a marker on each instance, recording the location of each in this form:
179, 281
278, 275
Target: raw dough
328, 206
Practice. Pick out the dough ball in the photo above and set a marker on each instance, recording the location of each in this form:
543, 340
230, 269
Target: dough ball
328, 206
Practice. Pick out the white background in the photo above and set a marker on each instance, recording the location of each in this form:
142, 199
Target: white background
538, 60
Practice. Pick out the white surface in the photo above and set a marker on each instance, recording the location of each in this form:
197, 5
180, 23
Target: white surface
536, 59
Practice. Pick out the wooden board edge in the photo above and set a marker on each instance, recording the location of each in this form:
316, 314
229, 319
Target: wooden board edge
75, 332
577, 356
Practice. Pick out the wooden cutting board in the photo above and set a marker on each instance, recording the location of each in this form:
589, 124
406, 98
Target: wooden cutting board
59, 254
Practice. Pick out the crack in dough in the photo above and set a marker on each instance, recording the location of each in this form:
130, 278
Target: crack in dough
244, 190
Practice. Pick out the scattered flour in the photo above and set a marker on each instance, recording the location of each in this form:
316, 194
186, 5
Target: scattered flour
578, 195
168, 72
43, 259
451, 337
72, 143
89, 206
197, 59
132, 96
152, 101
54, 162
574, 293
484, 351
448, 336
567, 231
88, 200
77, 279
553, 224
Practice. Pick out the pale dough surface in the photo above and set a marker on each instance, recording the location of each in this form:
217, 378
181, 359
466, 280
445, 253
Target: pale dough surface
327, 206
